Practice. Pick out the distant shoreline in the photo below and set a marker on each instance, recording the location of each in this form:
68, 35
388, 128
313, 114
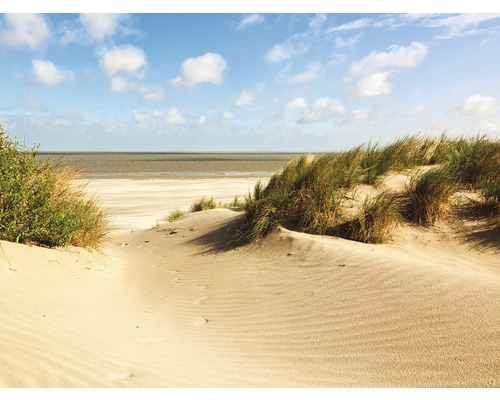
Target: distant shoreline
143, 165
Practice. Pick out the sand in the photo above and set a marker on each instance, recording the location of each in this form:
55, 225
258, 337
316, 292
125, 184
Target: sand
182, 305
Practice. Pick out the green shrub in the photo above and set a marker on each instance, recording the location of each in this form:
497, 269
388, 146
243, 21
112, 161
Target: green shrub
38, 203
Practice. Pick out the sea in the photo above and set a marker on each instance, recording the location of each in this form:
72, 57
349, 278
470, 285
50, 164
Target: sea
104, 165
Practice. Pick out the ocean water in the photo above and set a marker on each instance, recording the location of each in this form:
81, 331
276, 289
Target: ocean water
173, 165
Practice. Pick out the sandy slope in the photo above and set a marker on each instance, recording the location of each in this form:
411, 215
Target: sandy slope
182, 305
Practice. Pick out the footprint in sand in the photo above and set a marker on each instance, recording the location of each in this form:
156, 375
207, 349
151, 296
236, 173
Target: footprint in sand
176, 280
199, 321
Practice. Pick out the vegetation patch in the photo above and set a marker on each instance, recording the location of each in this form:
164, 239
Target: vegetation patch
311, 193
39, 203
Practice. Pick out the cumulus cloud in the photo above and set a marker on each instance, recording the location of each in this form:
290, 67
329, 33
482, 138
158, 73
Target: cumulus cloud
129, 60
47, 73
24, 30
397, 57
152, 94
375, 84
322, 109
375, 69
249, 20
279, 53
208, 68
143, 116
311, 72
174, 117
480, 106
248, 97
100, 26
170, 117
291, 108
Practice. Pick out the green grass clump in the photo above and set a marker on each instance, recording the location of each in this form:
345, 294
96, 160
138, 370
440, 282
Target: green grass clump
474, 162
311, 192
39, 204
175, 214
205, 203
426, 196
306, 195
374, 222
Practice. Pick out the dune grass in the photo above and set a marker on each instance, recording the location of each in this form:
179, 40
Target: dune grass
205, 203
311, 192
374, 221
40, 205
426, 196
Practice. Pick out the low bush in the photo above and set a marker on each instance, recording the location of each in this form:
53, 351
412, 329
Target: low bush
39, 203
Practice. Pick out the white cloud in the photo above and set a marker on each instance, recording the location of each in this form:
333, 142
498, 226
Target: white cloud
202, 120
396, 57
316, 23
99, 26
25, 30
251, 19
458, 25
356, 24
375, 69
208, 68
322, 109
227, 115
291, 107
311, 72
143, 116
349, 42
152, 94
125, 59
372, 85
174, 117
119, 84
358, 115
279, 53
248, 97
47, 73
480, 106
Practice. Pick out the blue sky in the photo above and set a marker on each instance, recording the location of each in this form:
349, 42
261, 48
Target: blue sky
246, 81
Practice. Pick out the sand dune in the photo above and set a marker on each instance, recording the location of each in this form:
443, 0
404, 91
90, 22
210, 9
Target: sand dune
183, 305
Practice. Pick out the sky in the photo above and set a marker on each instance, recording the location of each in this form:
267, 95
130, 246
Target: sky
249, 81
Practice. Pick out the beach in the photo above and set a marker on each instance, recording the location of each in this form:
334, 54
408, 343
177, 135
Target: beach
182, 304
